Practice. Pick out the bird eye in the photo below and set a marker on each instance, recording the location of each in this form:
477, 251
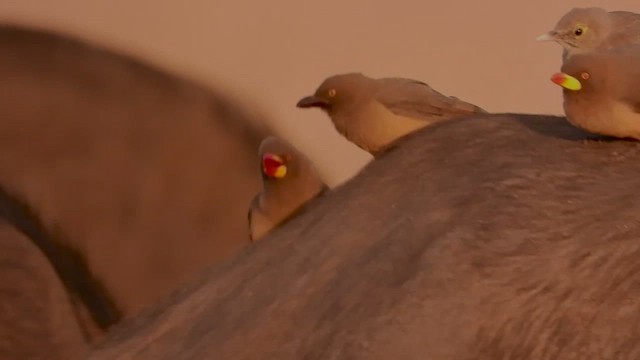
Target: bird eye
332, 92
585, 75
578, 31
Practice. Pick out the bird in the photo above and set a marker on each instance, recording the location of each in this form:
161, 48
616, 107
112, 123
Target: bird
601, 92
582, 30
289, 181
374, 113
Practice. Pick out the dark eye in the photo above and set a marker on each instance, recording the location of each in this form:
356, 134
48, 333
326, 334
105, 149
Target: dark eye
578, 31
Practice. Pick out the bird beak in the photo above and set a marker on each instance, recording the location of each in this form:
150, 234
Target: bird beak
550, 36
312, 101
566, 81
273, 166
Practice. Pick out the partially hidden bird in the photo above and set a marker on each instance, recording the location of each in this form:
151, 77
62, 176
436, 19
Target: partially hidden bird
289, 182
601, 91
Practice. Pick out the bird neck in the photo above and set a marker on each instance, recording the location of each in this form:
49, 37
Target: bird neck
286, 196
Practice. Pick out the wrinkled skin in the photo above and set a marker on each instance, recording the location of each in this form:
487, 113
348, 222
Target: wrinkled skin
129, 162
492, 237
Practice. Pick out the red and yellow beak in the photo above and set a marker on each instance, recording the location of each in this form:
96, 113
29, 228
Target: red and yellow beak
273, 166
566, 81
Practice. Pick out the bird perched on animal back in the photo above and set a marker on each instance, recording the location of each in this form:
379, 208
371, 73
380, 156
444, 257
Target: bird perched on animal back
373, 113
583, 30
289, 181
601, 91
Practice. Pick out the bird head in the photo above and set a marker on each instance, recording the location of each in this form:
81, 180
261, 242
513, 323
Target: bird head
581, 29
339, 91
274, 166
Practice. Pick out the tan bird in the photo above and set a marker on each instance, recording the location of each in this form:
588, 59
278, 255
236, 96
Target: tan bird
373, 113
601, 91
289, 182
583, 30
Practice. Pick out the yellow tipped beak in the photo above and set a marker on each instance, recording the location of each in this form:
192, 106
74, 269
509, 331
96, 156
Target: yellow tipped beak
566, 81
280, 172
274, 166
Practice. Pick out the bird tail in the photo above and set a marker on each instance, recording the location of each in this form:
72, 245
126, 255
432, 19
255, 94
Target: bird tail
474, 108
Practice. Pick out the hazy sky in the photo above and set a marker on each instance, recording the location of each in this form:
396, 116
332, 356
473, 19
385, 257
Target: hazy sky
271, 53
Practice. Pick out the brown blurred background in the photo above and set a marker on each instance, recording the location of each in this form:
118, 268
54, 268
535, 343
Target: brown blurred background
266, 55
271, 53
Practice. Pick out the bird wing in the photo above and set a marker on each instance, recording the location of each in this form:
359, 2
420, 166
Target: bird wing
627, 28
634, 100
412, 98
632, 97
622, 18
627, 79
